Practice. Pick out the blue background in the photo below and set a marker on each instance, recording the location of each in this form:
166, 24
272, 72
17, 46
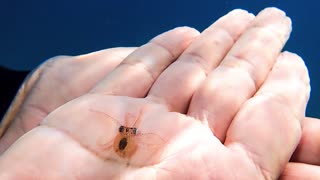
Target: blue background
35, 30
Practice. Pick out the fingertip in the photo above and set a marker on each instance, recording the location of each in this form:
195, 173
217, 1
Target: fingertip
241, 12
184, 32
274, 14
272, 10
187, 30
240, 15
176, 40
290, 56
295, 63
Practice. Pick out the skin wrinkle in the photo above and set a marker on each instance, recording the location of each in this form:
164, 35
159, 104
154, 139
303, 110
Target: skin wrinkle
119, 57
250, 154
36, 109
228, 36
140, 65
165, 171
249, 69
158, 41
91, 151
166, 102
65, 133
270, 31
208, 169
270, 37
160, 101
95, 153
266, 37
308, 171
225, 33
158, 44
197, 59
144, 66
232, 36
44, 75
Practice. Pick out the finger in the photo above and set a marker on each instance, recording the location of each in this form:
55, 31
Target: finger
267, 127
176, 85
75, 76
298, 171
87, 70
93, 67
308, 150
241, 72
140, 69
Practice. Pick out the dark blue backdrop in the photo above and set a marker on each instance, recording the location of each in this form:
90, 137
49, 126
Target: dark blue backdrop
34, 30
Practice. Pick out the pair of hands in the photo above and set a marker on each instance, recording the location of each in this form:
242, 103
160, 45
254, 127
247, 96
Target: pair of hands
225, 101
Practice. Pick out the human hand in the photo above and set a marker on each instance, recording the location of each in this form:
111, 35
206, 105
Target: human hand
305, 162
222, 121
55, 82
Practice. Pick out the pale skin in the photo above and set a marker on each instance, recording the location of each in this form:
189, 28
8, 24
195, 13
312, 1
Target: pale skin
225, 101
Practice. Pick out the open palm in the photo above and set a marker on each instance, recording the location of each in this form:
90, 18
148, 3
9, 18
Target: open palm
212, 114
